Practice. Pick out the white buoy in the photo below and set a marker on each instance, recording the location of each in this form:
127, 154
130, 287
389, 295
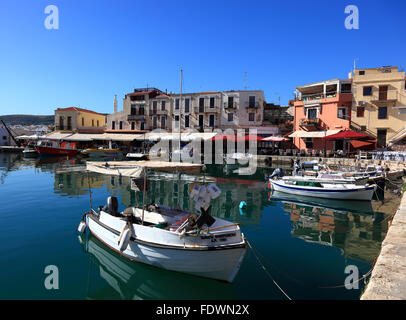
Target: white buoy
82, 226
124, 239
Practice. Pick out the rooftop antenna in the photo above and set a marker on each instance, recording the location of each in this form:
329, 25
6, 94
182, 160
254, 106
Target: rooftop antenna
245, 80
354, 64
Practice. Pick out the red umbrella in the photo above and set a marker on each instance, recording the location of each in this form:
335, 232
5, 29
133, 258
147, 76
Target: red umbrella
347, 135
250, 137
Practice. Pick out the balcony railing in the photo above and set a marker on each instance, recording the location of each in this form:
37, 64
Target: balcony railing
135, 117
252, 105
318, 96
228, 105
310, 122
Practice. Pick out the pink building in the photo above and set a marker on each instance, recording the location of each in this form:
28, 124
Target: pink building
321, 109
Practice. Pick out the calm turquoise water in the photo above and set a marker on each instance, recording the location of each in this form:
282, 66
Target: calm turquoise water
303, 245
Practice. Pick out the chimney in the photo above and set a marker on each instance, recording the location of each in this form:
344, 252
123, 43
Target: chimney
115, 103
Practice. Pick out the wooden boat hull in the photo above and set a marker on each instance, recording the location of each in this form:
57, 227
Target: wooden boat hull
213, 262
52, 151
361, 193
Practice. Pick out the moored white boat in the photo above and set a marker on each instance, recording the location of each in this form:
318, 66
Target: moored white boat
215, 253
323, 190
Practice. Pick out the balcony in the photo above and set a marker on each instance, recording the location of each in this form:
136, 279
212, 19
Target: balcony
199, 109
252, 105
228, 105
384, 96
310, 123
132, 117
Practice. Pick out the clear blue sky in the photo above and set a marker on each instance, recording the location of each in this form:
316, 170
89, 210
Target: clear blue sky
103, 48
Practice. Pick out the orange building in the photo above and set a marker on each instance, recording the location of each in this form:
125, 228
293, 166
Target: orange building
321, 109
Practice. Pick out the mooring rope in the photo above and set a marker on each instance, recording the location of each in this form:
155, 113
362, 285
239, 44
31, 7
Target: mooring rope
301, 282
267, 272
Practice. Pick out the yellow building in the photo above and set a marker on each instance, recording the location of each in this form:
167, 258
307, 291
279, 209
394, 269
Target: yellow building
79, 120
379, 103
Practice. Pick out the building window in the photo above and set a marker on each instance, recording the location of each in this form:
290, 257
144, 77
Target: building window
382, 112
133, 125
201, 120
346, 88
231, 117
361, 72
187, 101
212, 100
142, 110
177, 103
163, 122
98, 123
83, 122
4, 137
163, 105
251, 102
133, 109
312, 113
251, 116
211, 120
230, 102
309, 143
92, 122
187, 121
142, 125
121, 125
360, 112
176, 121
367, 91
342, 113
155, 123
113, 125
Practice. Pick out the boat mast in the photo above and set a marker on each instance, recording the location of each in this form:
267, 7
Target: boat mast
180, 112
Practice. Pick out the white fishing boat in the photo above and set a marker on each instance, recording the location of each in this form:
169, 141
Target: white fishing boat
332, 178
103, 153
175, 240
30, 151
343, 191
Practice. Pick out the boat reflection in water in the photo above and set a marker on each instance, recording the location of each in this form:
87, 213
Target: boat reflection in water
351, 226
133, 280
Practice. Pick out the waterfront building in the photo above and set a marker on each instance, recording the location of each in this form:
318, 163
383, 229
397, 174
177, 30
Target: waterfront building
135, 116
76, 119
321, 109
379, 103
150, 108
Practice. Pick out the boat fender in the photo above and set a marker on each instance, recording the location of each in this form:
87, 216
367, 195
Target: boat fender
124, 239
213, 190
243, 205
82, 226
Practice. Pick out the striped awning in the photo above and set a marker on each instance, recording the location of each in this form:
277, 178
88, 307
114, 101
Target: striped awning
312, 134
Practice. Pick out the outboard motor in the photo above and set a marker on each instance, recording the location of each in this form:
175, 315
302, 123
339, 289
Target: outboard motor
111, 206
278, 173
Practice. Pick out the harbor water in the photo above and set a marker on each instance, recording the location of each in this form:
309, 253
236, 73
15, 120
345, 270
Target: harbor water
305, 245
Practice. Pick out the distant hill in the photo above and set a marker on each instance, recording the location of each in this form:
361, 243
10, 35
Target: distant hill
27, 119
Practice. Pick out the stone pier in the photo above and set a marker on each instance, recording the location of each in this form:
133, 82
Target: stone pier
388, 279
